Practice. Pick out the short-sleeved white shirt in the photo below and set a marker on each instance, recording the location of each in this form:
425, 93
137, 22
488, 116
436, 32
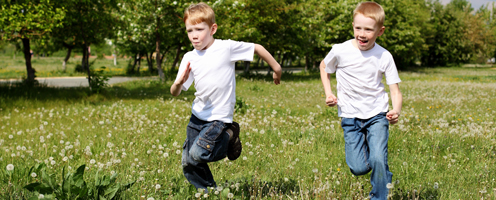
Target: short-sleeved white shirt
212, 70
359, 73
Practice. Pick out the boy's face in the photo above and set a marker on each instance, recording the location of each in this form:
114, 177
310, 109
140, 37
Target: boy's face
366, 32
201, 35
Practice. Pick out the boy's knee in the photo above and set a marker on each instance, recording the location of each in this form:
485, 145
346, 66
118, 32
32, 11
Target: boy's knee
359, 170
198, 154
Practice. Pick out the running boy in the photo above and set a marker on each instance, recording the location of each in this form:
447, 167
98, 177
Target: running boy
359, 65
211, 132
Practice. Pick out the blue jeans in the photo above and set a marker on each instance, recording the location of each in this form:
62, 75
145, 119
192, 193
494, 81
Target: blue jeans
366, 147
205, 142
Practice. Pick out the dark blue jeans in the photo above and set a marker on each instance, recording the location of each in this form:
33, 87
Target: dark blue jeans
205, 142
366, 146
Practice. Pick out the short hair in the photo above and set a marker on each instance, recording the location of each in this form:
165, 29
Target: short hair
371, 10
198, 13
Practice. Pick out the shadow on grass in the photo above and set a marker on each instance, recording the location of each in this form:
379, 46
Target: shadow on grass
312, 74
21, 95
413, 194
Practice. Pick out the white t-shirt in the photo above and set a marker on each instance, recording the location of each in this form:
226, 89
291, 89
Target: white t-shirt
213, 73
359, 73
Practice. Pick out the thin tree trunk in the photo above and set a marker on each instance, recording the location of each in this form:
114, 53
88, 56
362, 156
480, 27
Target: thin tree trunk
176, 59
139, 62
149, 61
247, 67
157, 44
86, 63
27, 56
64, 63
134, 64
307, 62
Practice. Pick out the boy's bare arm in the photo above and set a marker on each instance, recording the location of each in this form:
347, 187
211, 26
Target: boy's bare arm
177, 86
265, 55
331, 100
397, 100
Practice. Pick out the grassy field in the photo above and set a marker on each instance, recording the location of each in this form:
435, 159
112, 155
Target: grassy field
11, 68
293, 147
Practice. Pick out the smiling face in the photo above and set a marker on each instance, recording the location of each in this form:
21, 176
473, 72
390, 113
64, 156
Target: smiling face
201, 35
366, 31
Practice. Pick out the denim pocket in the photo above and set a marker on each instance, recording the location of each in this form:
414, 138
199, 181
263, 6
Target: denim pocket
207, 140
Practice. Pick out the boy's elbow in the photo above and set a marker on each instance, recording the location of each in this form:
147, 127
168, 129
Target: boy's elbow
322, 66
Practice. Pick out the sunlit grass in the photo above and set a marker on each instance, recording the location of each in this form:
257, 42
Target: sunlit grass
293, 148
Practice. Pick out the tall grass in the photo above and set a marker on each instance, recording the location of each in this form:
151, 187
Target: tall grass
293, 147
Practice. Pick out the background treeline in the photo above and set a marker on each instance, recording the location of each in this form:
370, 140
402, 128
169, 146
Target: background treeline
296, 32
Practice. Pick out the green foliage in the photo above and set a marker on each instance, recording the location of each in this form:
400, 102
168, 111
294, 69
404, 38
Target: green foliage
73, 185
29, 19
98, 80
240, 105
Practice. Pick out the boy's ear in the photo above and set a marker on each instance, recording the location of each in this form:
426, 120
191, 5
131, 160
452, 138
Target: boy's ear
213, 29
381, 31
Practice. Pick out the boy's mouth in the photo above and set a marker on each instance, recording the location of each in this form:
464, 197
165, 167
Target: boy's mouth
362, 42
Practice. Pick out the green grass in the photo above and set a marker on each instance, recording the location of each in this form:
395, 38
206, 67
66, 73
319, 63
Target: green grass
52, 67
293, 148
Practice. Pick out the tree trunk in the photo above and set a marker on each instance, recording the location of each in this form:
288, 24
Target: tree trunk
27, 56
64, 63
134, 64
157, 44
247, 67
307, 62
176, 59
149, 61
85, 62
139, 62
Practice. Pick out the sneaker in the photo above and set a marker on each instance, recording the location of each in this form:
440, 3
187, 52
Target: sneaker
234, 148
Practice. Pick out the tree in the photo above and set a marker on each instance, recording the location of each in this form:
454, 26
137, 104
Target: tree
26, 20
87, 22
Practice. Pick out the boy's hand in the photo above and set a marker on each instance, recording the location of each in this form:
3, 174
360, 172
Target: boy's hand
392, 116
176, 87
331, 100
185, 75
277, 77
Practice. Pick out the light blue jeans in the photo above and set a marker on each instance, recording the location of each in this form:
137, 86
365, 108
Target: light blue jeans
366, 147
205, 142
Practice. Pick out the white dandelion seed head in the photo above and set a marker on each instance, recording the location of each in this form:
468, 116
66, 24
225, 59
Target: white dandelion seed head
198, 195
10, 167
230, 195
389, 186
157, 186
178, 152
41, 196
34, 175
150, 198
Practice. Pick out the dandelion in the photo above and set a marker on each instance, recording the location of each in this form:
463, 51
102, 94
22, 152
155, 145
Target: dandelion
92, 161
315, 170
150, 198
10, 167
389, 186
230, 195
198, 195
34, 175
245, 158
436, 185
41, 196
157, 186
205, 196
178, 152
